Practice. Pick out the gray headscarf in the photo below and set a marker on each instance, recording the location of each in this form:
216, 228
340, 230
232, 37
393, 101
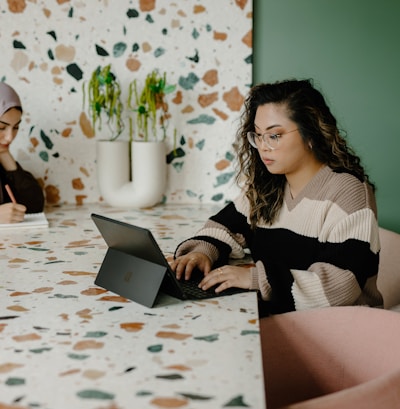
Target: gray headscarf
8, 98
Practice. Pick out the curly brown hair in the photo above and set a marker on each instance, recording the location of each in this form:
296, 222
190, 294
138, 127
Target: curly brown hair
306, 107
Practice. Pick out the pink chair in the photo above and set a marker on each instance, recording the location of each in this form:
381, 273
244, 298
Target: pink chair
337, 357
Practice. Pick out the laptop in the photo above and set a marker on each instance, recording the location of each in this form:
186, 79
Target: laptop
134, 266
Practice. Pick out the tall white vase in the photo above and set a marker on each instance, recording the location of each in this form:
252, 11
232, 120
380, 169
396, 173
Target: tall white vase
137, 183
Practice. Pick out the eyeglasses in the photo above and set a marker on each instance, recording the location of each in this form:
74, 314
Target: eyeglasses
270, 139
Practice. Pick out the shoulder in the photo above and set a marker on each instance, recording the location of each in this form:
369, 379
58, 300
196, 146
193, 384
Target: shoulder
241, 204
345, 190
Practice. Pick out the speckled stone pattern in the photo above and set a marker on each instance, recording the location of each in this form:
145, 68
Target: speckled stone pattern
66, 343
50, 48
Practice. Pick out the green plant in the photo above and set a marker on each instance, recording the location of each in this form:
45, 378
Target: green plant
104, 99
150, 106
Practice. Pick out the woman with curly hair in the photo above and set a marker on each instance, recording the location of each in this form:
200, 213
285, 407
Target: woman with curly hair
306, 212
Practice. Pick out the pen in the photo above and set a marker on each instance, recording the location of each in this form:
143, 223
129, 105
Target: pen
10, 193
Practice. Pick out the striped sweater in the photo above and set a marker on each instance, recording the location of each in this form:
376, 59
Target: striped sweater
322, 249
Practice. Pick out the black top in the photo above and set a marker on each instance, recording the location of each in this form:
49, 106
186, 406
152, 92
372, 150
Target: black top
25, 188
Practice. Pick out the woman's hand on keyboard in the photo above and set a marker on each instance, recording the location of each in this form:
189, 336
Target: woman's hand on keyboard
184, 265
226, 277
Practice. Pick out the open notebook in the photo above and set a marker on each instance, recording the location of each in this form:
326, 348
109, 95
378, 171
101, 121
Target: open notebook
31, 220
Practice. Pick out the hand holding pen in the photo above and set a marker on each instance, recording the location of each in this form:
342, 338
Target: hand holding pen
11, 212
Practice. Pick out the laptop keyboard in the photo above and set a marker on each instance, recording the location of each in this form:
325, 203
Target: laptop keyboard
191, 289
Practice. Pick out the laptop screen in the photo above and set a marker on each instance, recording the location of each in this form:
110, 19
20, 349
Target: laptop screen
130, 239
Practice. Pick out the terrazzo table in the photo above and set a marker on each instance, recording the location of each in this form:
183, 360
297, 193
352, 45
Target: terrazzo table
66, 343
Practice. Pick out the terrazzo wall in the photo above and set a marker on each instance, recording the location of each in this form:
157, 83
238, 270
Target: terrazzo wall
50, 48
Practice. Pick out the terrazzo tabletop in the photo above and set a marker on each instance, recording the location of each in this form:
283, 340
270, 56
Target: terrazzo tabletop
66, 343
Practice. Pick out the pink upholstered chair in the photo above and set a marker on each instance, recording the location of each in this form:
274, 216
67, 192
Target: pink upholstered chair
337, 357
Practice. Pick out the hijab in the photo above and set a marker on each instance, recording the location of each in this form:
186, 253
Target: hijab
8, 98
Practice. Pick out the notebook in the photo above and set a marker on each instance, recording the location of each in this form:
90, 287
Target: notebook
31, 220
134, 266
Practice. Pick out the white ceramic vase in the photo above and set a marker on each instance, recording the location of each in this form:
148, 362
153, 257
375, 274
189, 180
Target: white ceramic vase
131, 174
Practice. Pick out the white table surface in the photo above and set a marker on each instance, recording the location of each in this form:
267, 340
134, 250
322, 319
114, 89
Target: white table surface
66, 343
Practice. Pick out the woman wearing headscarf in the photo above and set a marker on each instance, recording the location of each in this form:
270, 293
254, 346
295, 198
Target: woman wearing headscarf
20, 192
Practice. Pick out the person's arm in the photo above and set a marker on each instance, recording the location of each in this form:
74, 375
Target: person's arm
222, 237
346, 268
26, 189
343, 269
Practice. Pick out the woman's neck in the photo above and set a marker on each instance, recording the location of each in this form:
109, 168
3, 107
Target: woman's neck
299, 180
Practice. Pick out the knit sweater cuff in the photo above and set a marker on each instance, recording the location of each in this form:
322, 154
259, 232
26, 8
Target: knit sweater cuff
199, 246
259, 281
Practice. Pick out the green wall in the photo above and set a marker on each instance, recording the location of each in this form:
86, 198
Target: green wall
351, 48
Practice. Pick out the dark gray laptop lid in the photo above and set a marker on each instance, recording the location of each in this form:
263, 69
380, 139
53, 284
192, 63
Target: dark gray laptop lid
129, 239
134, 265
